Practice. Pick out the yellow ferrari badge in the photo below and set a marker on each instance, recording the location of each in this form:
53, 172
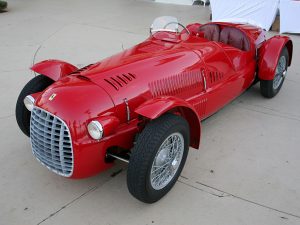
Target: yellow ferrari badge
52, 97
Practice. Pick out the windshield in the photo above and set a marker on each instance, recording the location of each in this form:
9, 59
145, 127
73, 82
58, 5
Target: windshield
164, 23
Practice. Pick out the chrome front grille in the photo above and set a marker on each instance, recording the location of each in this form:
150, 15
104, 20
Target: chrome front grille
51, 142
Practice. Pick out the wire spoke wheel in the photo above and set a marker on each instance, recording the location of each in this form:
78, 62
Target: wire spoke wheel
270, 88
280, 72
167, 161
158, 157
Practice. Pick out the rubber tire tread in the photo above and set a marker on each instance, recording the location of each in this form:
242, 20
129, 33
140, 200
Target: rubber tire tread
36, 84
144, 151
266, 86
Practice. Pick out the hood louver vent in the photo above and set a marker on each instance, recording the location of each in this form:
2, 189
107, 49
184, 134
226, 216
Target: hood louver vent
120, 81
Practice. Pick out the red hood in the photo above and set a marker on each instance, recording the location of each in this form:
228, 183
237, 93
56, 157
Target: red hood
131, 73
76, 102
122, 74
139, 54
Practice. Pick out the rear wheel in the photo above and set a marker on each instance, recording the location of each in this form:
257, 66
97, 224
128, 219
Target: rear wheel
36, 84
158, 158
270, 88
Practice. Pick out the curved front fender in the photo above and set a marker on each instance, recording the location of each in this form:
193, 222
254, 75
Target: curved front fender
54, 69
269, 54
154, 108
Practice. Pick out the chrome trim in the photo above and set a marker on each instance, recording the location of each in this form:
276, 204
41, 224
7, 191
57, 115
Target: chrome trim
51, 142
280, 72
170, 30
127, 109
99, 126
167, 161
204, 79
284, 73
117, 157
31, 99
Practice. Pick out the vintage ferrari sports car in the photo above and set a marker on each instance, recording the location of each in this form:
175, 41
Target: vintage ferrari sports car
145, 104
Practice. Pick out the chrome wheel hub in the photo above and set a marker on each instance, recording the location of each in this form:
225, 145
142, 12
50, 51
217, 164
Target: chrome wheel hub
167, 161
174, 163
280, 72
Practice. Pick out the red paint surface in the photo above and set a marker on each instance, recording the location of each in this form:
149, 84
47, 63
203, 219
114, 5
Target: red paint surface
54, 69
269, 55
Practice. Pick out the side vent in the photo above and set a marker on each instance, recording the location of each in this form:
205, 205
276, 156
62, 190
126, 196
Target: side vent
120, 81
178, 84
215, 76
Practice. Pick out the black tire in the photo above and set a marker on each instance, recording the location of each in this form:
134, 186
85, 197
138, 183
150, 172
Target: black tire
144, 152
36, 84
266, 86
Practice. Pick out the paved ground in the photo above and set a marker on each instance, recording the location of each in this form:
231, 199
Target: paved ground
246, 171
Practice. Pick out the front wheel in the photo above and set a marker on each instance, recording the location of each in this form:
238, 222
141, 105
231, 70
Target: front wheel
36, 84
270, 88
158, 158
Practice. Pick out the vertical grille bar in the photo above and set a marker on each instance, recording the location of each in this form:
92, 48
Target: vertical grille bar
61, 148
51, 142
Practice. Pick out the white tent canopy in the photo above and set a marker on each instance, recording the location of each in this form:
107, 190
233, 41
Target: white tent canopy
179, 2
289, 16
255, 12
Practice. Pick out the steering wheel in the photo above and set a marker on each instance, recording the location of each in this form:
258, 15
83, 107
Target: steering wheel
165, 27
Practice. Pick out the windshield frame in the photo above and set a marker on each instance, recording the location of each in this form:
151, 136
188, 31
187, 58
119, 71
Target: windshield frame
164, 21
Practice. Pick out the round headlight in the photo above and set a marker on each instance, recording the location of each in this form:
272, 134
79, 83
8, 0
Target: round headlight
95, 129
29, 102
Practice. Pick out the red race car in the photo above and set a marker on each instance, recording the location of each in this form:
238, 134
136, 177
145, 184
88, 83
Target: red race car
145, 104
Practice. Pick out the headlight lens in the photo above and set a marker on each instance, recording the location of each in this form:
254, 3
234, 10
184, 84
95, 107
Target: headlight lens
95, 129
29, 102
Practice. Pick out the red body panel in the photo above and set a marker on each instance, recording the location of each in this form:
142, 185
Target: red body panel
177, 73
154, 108
269, 55
54, 69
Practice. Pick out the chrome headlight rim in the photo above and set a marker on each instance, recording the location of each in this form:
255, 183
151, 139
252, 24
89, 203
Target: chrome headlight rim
95, 130
29, 102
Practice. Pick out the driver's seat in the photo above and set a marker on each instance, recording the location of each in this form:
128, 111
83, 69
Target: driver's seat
234, 37
211, 32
